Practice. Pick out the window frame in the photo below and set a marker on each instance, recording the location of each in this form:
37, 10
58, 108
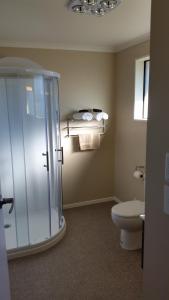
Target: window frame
141, 65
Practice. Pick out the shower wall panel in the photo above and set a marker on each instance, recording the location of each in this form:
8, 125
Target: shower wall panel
30, 158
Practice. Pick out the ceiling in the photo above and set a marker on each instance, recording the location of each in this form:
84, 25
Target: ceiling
48, 24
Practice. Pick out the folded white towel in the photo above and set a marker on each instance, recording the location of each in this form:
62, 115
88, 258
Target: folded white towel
89, 141
100, 116
85, 116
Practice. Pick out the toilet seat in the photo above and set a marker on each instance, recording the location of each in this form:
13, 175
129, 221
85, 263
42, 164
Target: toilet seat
129, 209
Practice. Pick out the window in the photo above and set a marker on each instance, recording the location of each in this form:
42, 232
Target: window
141, 88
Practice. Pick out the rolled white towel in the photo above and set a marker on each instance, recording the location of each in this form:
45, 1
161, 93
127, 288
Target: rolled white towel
100, 116
85, 116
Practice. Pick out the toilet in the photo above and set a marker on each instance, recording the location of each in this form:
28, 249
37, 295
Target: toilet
126, 216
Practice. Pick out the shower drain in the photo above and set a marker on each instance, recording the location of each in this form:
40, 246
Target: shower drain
6, 226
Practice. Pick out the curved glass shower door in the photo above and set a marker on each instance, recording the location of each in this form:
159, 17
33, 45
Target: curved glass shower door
55, 153
30, 161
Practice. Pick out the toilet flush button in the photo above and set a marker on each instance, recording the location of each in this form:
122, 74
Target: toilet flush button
166, 199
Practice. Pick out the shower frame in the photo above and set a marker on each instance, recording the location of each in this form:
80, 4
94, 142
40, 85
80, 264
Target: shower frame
47, 78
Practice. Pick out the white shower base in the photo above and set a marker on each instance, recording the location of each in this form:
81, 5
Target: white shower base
38, 229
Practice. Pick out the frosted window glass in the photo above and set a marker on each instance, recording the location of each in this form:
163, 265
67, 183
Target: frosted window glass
146, 88
142, 73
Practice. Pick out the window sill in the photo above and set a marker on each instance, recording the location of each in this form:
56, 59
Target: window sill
140, 120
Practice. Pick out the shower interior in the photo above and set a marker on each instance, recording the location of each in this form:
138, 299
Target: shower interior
30, 153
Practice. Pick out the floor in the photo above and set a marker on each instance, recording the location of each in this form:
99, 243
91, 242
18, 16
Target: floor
88, 264
33, 231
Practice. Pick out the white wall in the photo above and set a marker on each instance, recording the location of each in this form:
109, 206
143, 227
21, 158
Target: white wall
130, 138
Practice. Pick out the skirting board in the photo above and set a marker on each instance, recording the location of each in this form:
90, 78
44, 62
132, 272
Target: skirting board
91, 202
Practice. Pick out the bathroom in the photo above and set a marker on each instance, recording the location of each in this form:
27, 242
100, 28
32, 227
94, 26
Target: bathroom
92, 181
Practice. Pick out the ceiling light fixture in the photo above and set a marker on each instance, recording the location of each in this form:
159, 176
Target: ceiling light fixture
93, 7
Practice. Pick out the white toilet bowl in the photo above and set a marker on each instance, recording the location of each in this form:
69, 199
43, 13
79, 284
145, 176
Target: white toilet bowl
126, 216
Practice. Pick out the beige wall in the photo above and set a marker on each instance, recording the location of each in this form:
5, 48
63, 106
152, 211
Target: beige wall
86, 81
156, 268
130, 141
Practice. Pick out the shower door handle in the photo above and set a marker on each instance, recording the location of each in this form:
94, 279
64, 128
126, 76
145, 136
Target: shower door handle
4, 201
62, 158
47, 160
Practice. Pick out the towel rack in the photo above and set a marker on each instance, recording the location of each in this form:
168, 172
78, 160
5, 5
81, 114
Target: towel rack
70, 127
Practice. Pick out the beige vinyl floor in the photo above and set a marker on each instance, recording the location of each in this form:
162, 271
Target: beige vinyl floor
88, 264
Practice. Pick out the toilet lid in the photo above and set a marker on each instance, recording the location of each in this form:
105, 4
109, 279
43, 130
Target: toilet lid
129, 209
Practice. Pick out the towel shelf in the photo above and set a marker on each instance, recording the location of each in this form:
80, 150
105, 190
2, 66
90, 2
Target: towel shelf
70, 127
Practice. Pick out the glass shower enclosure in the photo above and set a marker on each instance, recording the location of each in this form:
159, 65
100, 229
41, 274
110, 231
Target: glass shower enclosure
30, 153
